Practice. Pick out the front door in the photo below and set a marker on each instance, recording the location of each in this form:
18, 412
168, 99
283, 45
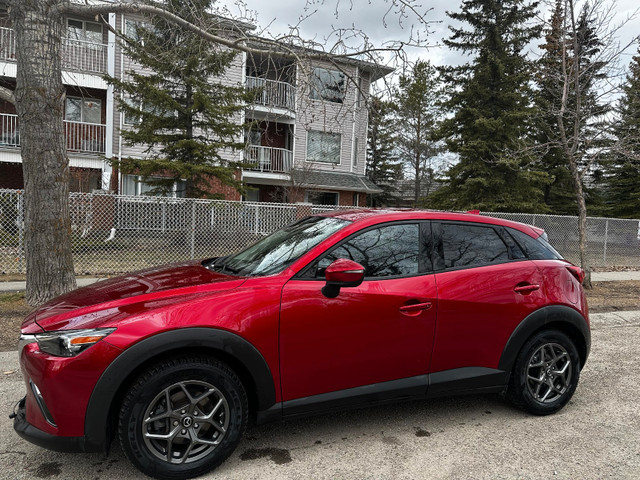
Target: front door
379, 331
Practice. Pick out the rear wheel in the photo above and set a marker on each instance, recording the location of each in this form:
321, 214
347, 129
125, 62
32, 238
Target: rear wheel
183, 417
545, 374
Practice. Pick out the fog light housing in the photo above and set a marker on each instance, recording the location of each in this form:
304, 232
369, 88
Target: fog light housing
41, 404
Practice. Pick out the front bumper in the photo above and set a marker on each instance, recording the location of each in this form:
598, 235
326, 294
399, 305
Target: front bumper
47, 440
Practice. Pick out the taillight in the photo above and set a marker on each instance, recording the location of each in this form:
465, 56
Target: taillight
576, 272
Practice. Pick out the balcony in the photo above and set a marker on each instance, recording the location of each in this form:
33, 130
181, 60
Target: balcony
81, 137
269, 159
77, 55
272, 93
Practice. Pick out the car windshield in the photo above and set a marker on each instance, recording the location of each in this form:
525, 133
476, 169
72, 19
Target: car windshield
279, 250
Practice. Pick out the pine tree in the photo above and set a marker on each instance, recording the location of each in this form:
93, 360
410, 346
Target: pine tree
492, 112
383, 166
623, 172
418, 107
182, 113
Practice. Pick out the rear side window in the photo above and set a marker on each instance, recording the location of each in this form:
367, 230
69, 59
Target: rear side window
535, 249
391, 250
472, 245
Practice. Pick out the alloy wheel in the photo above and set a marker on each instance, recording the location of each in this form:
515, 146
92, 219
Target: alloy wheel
185, 422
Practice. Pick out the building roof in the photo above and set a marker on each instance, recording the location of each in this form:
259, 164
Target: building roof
335, 181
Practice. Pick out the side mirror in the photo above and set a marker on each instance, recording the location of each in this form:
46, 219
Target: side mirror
342, 273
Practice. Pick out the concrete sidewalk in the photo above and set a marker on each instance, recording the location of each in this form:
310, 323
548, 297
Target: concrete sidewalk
20, 286
83, 282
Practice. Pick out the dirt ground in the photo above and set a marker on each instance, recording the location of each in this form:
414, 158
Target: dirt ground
604, 297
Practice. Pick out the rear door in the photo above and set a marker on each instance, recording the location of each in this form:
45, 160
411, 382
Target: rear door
486, 287
377, 332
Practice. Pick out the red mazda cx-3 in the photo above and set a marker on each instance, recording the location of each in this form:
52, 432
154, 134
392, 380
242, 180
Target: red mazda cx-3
339, 309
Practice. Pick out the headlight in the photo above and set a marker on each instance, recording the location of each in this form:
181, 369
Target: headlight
69, 343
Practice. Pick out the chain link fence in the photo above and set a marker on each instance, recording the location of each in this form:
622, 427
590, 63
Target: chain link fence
116, 233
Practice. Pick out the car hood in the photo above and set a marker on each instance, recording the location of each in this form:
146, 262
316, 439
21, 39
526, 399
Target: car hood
151, 285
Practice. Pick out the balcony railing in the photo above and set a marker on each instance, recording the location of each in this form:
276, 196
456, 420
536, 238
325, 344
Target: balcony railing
81, 137
84, 56
272, 93
9, 132
269, 159
76, 54
85, 137
7, 44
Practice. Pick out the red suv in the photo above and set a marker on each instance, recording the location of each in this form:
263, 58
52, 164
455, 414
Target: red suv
339, 309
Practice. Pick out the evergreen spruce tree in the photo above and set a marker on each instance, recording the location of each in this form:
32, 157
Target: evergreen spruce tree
418, 107
181, 112
492, 111
383, 166
623, 172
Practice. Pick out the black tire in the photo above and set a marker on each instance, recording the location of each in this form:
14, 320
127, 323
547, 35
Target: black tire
545, 374
195, 388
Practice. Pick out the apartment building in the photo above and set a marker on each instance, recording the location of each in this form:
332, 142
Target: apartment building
305, 129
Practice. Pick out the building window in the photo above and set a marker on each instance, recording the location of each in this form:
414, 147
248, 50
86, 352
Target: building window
134, 185
323, 147
355, 152
328, 85
85, 110
84, 31
131, 31
321, 198
356, 199
132, 118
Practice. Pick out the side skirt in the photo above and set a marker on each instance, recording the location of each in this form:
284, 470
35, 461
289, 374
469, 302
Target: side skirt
458, 381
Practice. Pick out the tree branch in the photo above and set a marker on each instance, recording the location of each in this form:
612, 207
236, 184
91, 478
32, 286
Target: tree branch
243, 41
7, 95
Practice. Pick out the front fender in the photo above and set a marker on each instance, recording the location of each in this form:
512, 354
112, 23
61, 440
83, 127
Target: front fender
106, 389
554, 316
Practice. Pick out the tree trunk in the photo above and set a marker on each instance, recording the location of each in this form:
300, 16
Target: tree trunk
40, 99
582, 219
416, 184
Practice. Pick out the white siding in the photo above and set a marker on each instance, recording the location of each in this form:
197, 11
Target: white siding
343, 118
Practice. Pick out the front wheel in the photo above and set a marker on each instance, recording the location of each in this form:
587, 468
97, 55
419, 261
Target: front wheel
183, 417
545, 374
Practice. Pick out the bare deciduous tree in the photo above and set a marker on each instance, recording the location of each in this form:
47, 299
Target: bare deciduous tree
586, 76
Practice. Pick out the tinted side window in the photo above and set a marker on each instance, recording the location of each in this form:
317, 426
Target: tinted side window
515, 252
534, 248
386, 251
472, 245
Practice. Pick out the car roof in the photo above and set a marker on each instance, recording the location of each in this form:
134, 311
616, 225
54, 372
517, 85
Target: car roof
375, 215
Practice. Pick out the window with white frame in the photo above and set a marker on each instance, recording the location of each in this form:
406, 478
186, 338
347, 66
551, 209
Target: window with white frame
132, 117
328, 85
355, 152
134, 185
323, 147
84, 31
85, 110
132, 30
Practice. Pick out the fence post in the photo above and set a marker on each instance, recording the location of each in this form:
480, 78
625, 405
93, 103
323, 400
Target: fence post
193, 229
21, 259
257, 220
606, 235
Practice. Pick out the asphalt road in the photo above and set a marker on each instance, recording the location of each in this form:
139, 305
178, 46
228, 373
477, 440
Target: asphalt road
596, 436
